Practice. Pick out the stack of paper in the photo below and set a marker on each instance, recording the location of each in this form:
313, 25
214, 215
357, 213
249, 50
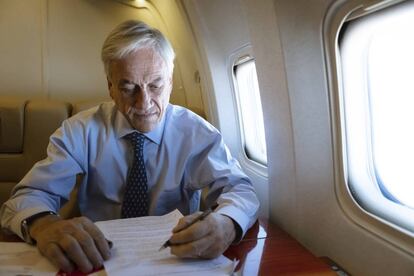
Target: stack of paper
136, 249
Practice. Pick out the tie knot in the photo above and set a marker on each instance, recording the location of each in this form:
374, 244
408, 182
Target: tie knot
137, 139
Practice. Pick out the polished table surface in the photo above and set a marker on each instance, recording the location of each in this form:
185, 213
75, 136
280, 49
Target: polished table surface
265, 250
268, 250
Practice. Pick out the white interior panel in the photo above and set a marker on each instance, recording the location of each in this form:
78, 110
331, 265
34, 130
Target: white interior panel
221, 30
21, 55
304, 187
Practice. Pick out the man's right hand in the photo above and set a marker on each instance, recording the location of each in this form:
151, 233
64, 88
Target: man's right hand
70, 244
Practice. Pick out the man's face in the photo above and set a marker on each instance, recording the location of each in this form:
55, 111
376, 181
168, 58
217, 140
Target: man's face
140, 86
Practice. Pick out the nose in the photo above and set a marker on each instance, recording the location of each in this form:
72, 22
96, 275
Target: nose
143, 100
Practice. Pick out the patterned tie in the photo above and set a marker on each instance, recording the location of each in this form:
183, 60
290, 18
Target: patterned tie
136, 200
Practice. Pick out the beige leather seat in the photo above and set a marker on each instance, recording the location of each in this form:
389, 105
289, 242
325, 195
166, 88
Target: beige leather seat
25, 127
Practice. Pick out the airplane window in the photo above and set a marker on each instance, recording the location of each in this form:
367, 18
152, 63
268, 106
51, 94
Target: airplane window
391, 101
377, 57
250, 111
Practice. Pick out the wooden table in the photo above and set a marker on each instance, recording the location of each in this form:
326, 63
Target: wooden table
268, 250
265, 250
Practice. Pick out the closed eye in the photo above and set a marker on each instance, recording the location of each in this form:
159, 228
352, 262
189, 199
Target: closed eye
153, 86
156, 87
128, 90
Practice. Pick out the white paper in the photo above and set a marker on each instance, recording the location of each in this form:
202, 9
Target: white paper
17, 258
136, 243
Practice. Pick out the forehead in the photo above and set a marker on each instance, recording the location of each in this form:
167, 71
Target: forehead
143, 64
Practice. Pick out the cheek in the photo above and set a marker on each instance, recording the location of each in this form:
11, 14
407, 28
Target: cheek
165, 101
166, 98
162, 101
120, 102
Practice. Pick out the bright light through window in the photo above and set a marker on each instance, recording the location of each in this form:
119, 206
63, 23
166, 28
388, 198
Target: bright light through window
377, 56
391, 88
250, 110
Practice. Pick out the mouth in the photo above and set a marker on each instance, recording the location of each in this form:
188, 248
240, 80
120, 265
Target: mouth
146, 115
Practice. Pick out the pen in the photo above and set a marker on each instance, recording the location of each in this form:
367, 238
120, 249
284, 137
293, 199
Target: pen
198, 218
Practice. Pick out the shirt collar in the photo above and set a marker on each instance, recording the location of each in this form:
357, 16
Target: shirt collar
123, 127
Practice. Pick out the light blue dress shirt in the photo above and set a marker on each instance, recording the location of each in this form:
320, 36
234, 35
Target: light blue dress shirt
182, 155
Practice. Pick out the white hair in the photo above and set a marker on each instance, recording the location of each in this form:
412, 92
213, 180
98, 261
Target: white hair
132, 35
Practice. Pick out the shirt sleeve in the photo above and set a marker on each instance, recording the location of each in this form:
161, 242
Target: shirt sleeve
228, 186
48, 184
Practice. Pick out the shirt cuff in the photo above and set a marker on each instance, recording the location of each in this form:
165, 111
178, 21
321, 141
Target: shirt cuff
16, 223
237, 215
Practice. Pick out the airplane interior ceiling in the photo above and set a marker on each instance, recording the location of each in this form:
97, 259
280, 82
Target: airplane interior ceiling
52, 50
46, 55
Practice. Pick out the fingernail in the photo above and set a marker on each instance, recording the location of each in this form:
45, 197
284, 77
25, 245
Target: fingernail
99, 265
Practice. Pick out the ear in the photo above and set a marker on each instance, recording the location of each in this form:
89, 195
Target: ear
109, 87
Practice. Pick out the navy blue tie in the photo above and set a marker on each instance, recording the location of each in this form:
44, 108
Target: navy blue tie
136, 201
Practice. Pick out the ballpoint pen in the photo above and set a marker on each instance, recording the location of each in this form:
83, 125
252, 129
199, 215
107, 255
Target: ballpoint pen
198, 218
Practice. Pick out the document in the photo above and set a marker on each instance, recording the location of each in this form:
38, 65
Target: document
21, 259
136, 249
17, 258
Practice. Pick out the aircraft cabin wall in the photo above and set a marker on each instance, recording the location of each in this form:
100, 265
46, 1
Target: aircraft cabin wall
306, 191
223, 37
327, 219
51, 48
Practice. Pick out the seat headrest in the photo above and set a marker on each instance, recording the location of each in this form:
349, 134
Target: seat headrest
86, 104
11, 124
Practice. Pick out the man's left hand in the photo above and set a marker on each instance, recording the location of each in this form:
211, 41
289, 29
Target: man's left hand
207, 238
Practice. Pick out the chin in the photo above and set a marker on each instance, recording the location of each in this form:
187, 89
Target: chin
146, 127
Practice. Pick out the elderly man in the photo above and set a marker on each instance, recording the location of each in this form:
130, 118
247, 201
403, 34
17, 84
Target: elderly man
138, 156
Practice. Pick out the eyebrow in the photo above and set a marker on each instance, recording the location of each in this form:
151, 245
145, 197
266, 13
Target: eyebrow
124, 81
157, 79
128, 82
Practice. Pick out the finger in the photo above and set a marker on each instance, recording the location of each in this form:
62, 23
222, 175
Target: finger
184, 221
194, 249
74, 251
214, 250
88, 246
195, 232
58, 258
102, 244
